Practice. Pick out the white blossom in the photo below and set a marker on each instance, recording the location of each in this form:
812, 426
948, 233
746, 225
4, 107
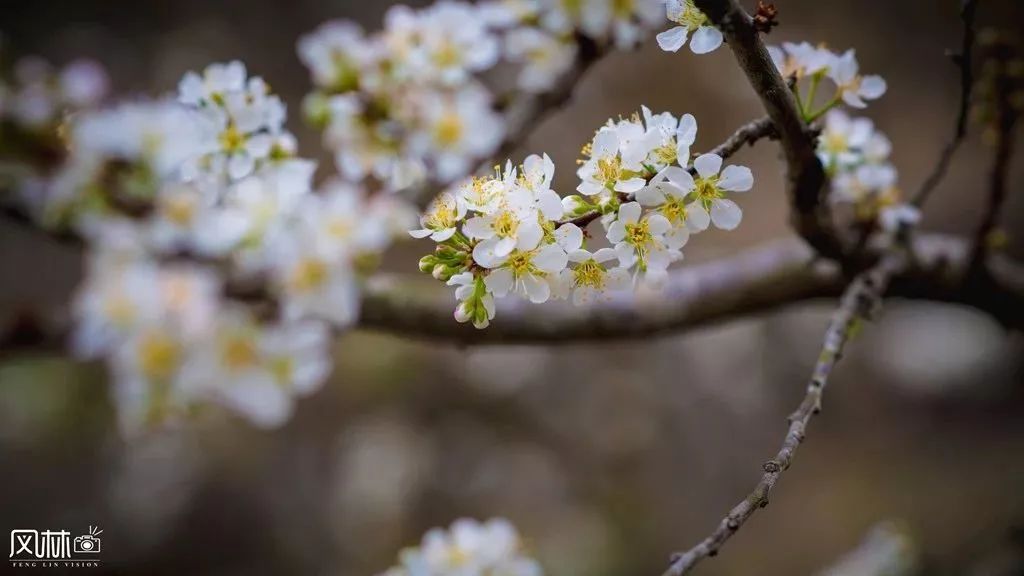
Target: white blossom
690, 20
544, 57
441, 219
590, 278
468, 548
457, 129
608, 169
853, 87
641, 242
709, 188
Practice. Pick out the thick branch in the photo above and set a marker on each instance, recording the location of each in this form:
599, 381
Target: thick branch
753, 281
858, 303
806, 177
964, 60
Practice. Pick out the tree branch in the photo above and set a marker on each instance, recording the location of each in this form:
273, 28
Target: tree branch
805, 175
1004, 131
753, 281
964, 60
858, 303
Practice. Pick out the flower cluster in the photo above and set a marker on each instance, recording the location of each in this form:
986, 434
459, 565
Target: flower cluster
468, 548
511, 233
34, 101
248, 120
407, 104
809, 65
216, 270
856, 157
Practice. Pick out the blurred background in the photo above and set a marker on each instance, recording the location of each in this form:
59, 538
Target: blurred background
607, 457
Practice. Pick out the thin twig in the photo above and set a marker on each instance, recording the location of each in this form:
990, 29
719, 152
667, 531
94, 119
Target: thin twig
1004, 131
859, 301
964, 60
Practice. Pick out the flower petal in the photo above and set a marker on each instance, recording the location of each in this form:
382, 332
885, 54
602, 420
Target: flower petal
680, 178
629, 213
705, 39
725, 214
569, 237
687, 131
650, 196
630, 186
872, 87
551, 259
708, 165
697, 218
499, 281
528, 235
658, 224
672, 40
736, 179
604, 255
537, 289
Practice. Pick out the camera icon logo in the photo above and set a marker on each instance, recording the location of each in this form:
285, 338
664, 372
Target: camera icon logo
88, 543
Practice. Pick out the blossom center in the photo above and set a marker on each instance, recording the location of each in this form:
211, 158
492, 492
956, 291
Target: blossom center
238, 352
521, 264
589, 273
309, 274
691, 17
231, 139
505, 225
448, 130
707, 191
608, 170
674, 209
158, 356
638, 234
666, 153
179, 210
443, 216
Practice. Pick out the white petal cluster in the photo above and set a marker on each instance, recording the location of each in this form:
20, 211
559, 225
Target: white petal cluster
249, 122
623, 22
692, 25
209, 284
468, 548
37, 96
511, 233
809, 65
34, 101
407, 104
856, 157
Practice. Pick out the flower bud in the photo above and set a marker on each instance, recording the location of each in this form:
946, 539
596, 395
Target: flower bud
442, 272
463, 312
427, 263
575, 205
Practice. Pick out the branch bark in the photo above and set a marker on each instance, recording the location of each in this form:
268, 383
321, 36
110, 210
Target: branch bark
858, 303
753, 281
